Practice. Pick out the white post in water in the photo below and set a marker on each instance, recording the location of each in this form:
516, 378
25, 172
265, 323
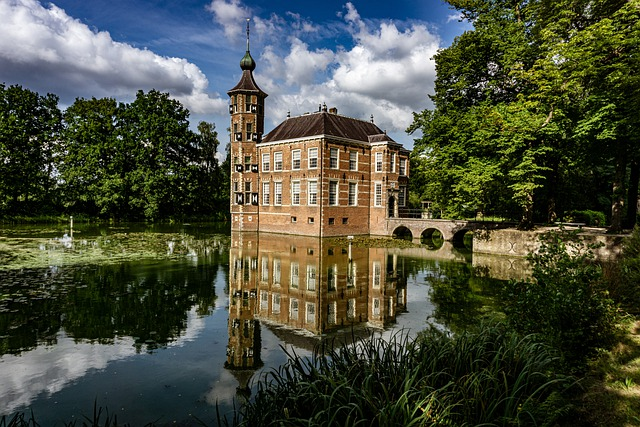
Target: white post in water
71, 226
350, 238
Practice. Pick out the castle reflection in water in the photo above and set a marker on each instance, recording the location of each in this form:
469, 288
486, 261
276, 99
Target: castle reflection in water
306, 286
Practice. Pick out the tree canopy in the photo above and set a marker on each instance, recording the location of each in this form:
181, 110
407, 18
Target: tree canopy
102, 158
534, 111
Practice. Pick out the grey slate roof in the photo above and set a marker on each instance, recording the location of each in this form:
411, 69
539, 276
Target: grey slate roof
325, 123
246, 84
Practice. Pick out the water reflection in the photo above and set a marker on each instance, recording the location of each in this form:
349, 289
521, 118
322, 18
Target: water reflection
304, 288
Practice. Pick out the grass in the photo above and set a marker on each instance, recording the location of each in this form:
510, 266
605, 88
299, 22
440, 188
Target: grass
489, 377
612, 389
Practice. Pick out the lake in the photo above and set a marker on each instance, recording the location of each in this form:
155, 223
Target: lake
164, 323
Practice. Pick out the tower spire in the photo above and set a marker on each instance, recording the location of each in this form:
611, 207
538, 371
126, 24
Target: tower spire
248, 19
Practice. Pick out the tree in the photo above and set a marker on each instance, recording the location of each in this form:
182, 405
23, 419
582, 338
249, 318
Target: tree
29, 129
92, 180
523, 98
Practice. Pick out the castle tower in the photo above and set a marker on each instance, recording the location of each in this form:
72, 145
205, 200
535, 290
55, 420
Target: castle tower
246, 107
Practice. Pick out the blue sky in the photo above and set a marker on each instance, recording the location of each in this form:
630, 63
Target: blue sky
363, 57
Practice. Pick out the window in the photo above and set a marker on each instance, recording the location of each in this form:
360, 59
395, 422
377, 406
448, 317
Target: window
376, 307
377, 269
332, 313
265, 269
351, 275
247, 163
402, 196
333, 193
332, 277
393, 163
313, 158
345, 221
275, 303
403, 167
265, 162
264, 300
353, 193
351, 309
353, 160
294, 219
293, 308
265, 193
295, 159
247, 191
295, 275
378, 194
332, 221
295, 192
277, 161
311, 220
311, 277
312, 190
311, 313
277, 274
378, 162
249, 131
277, 193
333, 158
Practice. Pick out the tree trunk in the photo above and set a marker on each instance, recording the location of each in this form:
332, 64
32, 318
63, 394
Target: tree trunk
617, 196
632, 194
526, 222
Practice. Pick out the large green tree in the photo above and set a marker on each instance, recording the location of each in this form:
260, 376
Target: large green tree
29, 129
521, 100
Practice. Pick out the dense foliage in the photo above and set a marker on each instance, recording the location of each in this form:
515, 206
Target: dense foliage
535, 111
101, 158
486, 377
566, 303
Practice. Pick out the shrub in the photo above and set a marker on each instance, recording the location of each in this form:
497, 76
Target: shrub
590, 218
566, 303
624, 276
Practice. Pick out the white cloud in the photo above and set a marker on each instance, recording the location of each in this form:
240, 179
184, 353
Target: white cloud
229, 14
386, 72
71, 60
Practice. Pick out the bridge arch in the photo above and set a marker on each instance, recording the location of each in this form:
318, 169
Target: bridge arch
402, 232
432, 237
459, 237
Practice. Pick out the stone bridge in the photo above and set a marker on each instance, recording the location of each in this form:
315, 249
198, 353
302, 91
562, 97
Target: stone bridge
451, 230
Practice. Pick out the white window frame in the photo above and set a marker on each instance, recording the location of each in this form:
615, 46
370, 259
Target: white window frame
275, 303
312, 193
334, 161
295, 275
296, 158
310, 315
353, 163
295, 193
334, 194
393, 163
294, 308
277, 271
353, 196
402, 196
312, 159
266, 162
266, 192
403, 167
277, 193
277, 161
312, 274
378, 162
377, 194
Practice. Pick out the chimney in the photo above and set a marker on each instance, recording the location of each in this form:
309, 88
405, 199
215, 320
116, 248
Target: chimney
333, 110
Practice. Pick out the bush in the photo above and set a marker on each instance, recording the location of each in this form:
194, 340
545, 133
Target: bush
567, 303
590, 218
624, 276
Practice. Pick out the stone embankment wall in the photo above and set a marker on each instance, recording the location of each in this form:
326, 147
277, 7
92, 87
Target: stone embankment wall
515, 243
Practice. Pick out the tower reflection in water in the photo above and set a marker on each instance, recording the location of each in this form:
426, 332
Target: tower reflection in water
305, 289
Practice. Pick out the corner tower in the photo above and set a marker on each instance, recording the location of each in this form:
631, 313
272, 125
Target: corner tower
246, 107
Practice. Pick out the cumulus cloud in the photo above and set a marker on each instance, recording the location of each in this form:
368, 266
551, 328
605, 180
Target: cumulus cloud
62, 55
386, 70
228, 14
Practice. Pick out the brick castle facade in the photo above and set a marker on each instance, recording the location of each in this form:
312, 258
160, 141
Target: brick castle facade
318, 174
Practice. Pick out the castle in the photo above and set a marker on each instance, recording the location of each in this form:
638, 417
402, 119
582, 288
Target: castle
318, 174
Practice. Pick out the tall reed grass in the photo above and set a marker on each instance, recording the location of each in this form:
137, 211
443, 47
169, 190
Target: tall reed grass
486, 377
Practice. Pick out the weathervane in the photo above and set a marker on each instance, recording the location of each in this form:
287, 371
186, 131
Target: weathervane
248, 19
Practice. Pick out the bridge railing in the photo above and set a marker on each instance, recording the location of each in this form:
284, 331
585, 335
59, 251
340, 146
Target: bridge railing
426, 214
